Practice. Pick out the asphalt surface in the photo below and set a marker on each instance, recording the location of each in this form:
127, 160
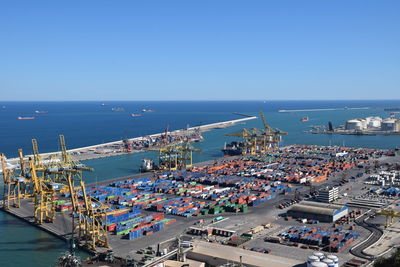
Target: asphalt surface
376, 234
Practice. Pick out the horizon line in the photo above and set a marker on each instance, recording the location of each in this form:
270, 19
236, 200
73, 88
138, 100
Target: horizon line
201, 100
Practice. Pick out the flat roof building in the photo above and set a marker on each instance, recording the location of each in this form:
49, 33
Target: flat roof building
323, 212
328, 194
215, 255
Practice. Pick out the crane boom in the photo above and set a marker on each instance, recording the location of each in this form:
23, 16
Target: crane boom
266, 126
63, 148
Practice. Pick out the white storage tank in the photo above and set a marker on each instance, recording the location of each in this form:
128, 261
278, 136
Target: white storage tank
374, 122
320, 255
328, 262
311, 259
334, 258
353, 125
318, 264
388, 125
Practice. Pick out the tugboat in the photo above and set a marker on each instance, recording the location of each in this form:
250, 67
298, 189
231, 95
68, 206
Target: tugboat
233, 149
304, 119
69, 259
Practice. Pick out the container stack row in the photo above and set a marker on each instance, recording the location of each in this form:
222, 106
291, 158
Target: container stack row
330, 239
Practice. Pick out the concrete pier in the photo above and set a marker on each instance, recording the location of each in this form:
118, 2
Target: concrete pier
88, 152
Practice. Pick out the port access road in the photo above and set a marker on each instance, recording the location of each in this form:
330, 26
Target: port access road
375, 235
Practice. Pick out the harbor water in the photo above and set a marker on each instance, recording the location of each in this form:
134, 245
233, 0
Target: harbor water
90, 123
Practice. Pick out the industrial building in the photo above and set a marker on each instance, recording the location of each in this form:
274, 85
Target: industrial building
318, 211
328, 194
217, 255
384, 178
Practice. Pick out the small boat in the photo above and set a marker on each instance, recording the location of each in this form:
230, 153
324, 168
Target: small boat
136, 115
103, 104
304, 119
26, 118
40, 112
148, 110
117, 109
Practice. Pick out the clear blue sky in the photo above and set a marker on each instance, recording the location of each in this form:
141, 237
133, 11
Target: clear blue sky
200, 50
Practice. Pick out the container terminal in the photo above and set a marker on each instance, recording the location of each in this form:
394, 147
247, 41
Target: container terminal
269, 206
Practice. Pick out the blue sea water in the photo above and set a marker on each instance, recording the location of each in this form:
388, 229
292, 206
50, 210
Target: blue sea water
89, 123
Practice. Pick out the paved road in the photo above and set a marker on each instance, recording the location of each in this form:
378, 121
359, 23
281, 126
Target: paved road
376, 234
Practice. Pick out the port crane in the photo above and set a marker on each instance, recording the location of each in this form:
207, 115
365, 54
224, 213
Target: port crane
390, 215
12, 187
250, 140
16, 187
185, 159
271, 137
89, 218
174, 157
44, 195
65, 175
167, 158
45, 185
257, 140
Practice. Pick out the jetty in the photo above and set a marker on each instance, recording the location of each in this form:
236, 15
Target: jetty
319, 109
91, 152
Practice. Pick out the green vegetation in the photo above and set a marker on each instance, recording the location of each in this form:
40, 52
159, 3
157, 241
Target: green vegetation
392, 261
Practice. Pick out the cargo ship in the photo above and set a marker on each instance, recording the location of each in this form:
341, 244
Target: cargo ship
304, 119
233, 149
26, 118
147, 165
40, 112
136, 115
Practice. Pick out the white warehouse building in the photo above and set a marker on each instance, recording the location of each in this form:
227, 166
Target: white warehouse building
323, 212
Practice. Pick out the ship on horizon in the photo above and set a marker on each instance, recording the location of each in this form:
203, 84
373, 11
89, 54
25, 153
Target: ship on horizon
26, 118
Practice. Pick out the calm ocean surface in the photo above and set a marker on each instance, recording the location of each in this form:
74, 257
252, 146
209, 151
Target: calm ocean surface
89, 123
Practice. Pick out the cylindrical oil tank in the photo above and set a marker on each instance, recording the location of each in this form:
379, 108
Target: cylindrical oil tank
329, 262
320, 255
334, 258
318, 264
312, 258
